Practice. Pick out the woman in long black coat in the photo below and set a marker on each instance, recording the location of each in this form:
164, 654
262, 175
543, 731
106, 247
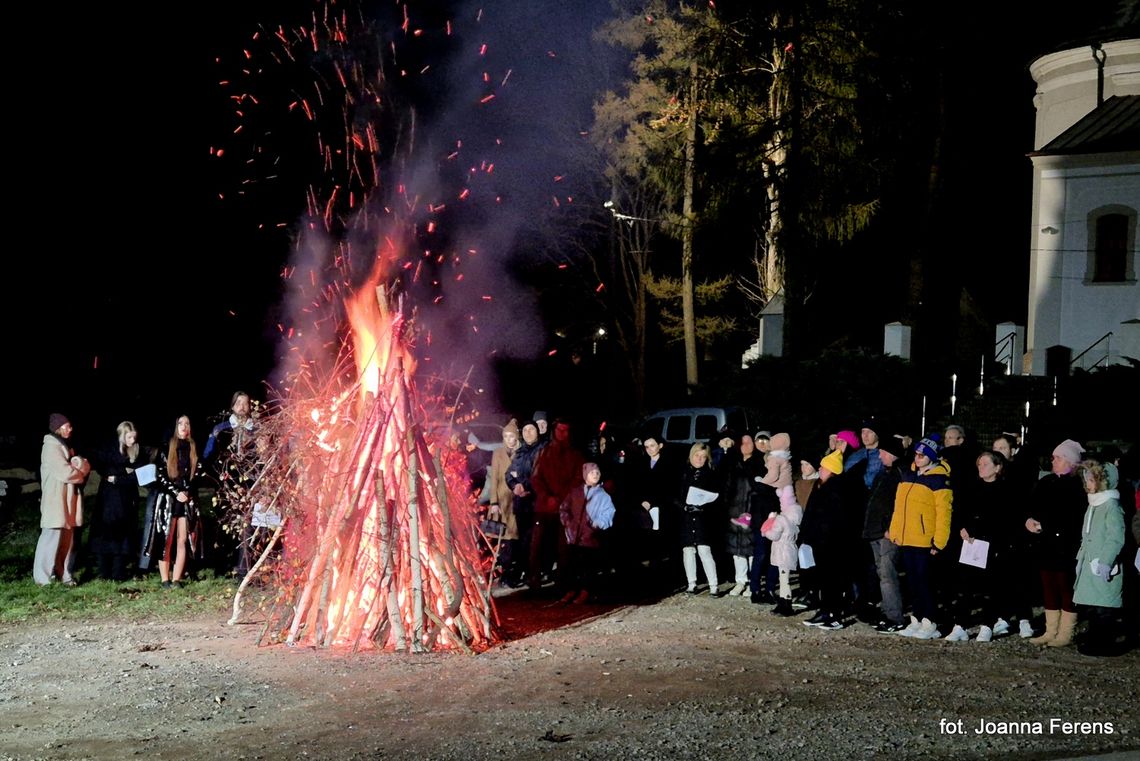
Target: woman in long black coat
115, 527
742, 469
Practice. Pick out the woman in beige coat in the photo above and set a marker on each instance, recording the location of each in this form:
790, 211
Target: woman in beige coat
62, 474
502, 498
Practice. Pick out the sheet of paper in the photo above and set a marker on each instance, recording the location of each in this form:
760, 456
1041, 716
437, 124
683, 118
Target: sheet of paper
699, 496
145, 474
975, 553
265, 517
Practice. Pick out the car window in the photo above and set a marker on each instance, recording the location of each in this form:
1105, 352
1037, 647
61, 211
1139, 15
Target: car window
706, 427
678, 428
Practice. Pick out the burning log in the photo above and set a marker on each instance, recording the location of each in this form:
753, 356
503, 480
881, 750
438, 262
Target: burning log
379, 533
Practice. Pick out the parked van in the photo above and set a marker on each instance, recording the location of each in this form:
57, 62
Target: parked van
688, 425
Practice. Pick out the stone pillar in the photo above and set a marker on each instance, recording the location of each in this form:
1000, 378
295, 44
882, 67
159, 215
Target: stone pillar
896, 340
772, 328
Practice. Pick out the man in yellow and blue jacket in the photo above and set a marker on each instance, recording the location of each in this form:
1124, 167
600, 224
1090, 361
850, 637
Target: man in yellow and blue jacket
920, 525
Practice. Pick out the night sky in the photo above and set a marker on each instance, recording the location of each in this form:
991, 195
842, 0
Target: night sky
150, 283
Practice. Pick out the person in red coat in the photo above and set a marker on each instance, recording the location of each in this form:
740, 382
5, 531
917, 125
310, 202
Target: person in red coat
557, 471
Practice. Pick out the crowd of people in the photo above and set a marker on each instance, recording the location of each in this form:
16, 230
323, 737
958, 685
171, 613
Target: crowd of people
924, 539
173, 533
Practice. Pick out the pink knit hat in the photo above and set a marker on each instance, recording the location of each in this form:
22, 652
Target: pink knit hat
850, 437
1070, 450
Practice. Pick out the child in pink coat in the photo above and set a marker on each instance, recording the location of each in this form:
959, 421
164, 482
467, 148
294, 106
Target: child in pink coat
782, 529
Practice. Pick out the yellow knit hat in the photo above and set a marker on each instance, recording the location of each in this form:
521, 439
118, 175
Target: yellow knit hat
833, 462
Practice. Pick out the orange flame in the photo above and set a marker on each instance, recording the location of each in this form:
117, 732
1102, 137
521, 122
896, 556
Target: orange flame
372, 324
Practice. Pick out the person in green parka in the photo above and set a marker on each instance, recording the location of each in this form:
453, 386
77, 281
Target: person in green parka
1100, 582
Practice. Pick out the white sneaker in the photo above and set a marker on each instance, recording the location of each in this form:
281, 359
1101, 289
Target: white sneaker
957, 634
986, 634
927, 630
1026, 629
1001, 627
737, 590
912, 628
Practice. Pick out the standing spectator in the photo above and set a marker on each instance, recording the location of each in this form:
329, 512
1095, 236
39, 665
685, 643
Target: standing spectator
741, 470
697, 517
585, 513
1100, 581
1056, 507
920, 525
959, 455
502, 498
863, 467
826, 524
175, 530
725, 445
115, 528
231, 460
1019, 576
62, 474
557, 471
519, 478
761, 579
543, 425
781, 529
980, 507
652, 479
876, 522
1128, 468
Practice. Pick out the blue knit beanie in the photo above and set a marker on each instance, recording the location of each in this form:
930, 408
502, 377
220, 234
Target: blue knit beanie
928, 447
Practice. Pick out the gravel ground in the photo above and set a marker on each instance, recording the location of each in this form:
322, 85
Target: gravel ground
686, 677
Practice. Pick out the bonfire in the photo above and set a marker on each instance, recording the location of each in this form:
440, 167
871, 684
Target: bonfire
378, 544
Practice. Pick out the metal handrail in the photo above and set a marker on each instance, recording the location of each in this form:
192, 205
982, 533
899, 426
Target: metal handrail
1092, 346
1004, 354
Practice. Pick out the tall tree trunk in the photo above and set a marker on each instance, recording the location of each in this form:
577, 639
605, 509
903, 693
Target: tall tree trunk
775, 170
687, 313
912, 311
785, 106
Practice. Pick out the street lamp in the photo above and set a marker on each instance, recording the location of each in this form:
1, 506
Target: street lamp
625, 217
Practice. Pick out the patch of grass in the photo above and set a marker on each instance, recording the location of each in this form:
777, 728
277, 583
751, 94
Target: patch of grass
142, 598
139, 599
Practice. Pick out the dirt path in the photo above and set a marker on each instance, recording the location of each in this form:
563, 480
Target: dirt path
684, 678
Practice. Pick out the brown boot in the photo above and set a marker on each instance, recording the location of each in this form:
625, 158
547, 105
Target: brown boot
1065, 630
1052, 620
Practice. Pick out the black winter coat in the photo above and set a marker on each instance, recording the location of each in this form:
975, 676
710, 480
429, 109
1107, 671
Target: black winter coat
697, 520
1058, 503
881, 502
115, 528
739, 488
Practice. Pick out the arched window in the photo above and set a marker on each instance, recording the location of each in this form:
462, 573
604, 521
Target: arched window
1112, 231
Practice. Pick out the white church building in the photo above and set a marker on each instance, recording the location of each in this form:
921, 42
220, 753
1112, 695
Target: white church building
1084, 295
